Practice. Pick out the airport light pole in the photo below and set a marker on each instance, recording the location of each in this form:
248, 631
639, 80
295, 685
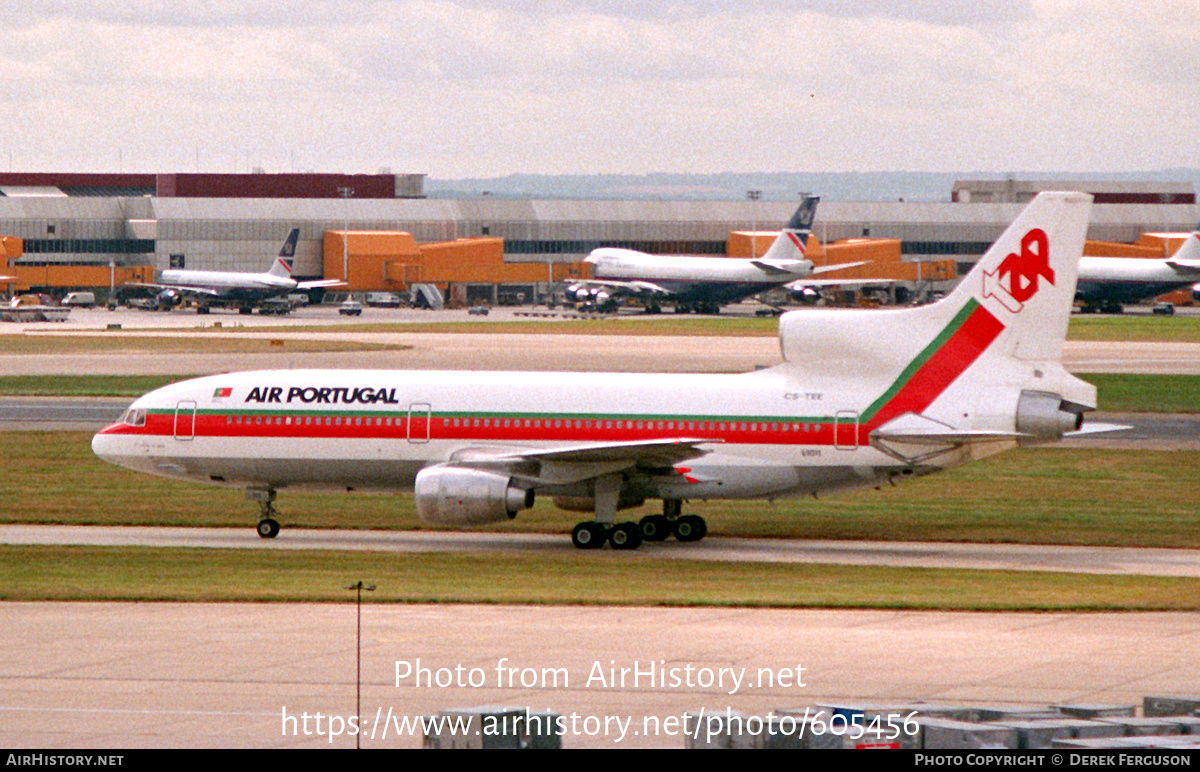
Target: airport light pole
345, 191
358, 588
754, 195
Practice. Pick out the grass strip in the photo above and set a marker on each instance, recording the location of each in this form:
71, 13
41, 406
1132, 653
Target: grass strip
84, 385
1138, 393
1138, 328
36, 573
1028, 495
117, 343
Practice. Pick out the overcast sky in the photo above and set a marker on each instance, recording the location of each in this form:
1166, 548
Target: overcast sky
474, 88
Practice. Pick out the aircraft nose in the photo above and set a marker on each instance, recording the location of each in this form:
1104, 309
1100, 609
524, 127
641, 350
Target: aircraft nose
105, 444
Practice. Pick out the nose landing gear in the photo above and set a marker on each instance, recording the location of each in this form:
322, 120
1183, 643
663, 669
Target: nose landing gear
268, 526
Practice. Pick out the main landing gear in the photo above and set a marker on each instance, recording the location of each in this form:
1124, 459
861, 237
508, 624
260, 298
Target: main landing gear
268, 526
594, 535
630, 535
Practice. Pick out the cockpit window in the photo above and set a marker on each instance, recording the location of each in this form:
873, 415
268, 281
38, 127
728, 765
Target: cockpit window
134, 417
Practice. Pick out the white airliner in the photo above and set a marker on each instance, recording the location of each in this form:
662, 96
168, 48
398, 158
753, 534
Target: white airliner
864, 398
1105, 283
701, 284
242, 289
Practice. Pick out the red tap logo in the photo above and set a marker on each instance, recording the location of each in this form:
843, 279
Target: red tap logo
1017, 277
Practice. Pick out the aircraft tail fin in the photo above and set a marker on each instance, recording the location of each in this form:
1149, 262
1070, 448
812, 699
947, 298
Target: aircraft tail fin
1188, 254
1026, 279
289, 244
282, 266
792, 242
983, 361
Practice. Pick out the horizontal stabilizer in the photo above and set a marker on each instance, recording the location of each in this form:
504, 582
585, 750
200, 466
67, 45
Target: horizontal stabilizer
913, 429
1096, 428
782, 266
1192, 266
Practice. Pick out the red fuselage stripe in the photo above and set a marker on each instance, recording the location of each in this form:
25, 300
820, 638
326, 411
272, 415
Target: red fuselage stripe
925, 385
942, 369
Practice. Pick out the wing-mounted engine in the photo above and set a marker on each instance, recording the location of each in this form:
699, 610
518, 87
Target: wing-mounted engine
448, 495
1046, 417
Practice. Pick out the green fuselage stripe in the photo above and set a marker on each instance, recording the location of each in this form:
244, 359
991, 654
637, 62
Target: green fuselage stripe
926, 354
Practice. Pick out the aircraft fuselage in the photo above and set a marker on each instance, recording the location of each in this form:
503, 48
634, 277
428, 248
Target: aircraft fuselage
1129, 279
229, 285
769, 435
689, 278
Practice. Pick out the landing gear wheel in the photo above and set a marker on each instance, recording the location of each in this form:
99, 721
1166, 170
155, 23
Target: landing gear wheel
690, 528
625, 536
655, 527
268, 528
589, 536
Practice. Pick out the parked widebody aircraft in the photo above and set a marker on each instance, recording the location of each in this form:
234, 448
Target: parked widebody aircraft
701, 284
1106, 283
241, 289
864, 398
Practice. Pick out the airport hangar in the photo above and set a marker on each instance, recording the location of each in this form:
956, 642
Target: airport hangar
67, 231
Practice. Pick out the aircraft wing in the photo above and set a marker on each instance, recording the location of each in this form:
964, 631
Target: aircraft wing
578, 462
636, 287
842, 283
208, 291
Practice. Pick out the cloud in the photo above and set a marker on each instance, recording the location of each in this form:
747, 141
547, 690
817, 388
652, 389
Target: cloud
480, 87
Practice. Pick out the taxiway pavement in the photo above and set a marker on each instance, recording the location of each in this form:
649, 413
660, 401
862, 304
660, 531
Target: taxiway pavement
477, 351
988, 557
166, 675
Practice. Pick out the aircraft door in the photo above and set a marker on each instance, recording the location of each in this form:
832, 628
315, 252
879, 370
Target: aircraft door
845, 430
185, 420
418, 422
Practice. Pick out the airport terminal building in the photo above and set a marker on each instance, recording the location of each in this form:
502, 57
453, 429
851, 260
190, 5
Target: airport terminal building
79, 230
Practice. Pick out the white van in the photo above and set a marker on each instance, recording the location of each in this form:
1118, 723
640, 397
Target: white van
83, 299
